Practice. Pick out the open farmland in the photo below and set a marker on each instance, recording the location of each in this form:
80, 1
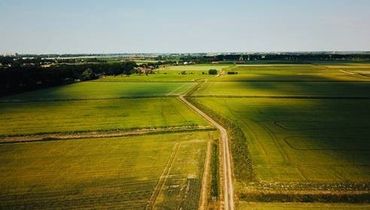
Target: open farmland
297, 72
285, 89
183, 73
102, 90
102, 144
305, 130
297, 133
128, 172
302, 206
97, 106
92, 115
299, 140
290, 81
185, 105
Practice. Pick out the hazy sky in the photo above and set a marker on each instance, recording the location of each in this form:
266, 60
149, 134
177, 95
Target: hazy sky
112, 26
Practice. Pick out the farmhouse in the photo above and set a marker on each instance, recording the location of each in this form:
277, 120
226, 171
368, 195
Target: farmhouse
144, 70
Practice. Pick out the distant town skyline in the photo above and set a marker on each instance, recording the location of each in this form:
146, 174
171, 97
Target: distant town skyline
164, 26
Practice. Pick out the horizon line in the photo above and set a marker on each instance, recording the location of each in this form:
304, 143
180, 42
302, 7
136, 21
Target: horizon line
204, 52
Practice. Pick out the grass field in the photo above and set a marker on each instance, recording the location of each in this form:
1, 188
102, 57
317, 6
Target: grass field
303, 72
173, 73
291, 80
103, 90
306, 89
97, 105
104, 173
302, 206
90, 115
167, 81
306, 129
303, 140
156, 171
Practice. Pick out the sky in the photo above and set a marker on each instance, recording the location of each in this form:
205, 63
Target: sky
172, 26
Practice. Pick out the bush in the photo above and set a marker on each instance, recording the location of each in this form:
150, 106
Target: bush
212, 72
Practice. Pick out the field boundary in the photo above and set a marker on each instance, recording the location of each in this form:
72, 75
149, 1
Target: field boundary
306, 196
290, 81
13, 139
85, 99
284, 97
292, 146
143, 81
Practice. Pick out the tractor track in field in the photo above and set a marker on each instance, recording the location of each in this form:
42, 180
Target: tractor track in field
227, 177
163, 178
205, 180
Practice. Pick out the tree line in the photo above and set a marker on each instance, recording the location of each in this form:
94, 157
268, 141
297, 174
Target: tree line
19, 78
270, 58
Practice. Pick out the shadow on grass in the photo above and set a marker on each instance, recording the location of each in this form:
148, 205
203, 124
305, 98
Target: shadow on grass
331, 131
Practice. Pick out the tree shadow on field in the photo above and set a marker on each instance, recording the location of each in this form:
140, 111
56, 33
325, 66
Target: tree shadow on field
320, 126
58, 93
316, 86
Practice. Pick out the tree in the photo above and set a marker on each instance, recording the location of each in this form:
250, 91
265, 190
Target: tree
88, 74
212, 72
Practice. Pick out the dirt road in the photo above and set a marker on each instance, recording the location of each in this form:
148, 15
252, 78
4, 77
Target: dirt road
228, 190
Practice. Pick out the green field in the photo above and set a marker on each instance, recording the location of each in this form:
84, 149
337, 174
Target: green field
97, 105
104, 173
103, 90
302, 129
158, 170
90, 115
302, 72
173, 73
291, 80
305, 89
306, 129
302, 206
302, 140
